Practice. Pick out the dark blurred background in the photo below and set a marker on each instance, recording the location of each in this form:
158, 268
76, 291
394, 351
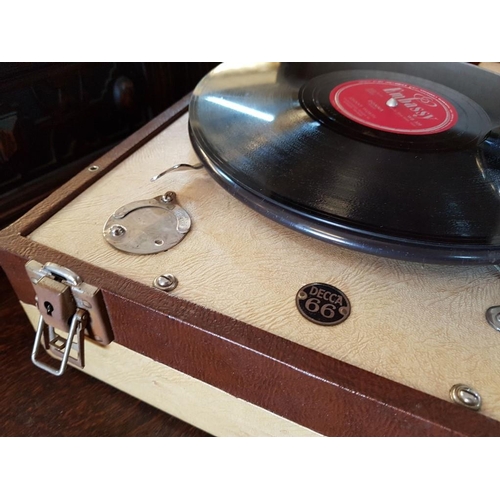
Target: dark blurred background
57, 118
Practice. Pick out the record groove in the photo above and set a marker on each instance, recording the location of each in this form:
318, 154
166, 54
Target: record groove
271, 136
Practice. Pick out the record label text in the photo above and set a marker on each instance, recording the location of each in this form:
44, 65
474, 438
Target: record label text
392, 106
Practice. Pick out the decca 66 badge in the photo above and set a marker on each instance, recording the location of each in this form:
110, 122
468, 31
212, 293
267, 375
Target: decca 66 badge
323, 304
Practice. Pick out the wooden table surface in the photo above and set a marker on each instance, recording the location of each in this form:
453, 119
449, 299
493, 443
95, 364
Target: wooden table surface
35, 403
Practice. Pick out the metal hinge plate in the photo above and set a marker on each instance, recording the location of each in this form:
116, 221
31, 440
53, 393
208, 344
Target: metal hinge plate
69, 310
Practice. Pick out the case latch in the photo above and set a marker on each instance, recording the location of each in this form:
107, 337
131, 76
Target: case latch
72, 307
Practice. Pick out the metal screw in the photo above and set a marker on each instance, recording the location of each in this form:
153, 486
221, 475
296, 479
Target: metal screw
168, 197
93, 168
166, 282
117, 230
466, 396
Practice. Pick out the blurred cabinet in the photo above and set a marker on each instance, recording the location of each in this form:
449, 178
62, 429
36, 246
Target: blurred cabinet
56, 118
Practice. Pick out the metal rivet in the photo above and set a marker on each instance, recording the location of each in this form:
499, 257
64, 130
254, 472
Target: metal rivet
159, 243
93, 168
466, 396
493, 317
166, 282
116, 230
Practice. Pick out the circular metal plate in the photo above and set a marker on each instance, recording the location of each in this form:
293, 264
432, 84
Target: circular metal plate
323, 304
147, 226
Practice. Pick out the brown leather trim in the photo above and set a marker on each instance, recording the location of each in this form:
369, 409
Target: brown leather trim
312, 389
297, 383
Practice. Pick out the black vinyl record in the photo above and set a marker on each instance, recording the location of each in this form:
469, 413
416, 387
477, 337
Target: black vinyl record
400, 160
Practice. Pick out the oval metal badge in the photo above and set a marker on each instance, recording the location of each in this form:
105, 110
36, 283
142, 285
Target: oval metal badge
323, 304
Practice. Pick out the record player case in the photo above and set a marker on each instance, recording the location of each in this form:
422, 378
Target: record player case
219, 371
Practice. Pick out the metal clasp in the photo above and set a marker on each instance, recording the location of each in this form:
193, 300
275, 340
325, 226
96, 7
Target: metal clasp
70, 306
51, 269
61, 346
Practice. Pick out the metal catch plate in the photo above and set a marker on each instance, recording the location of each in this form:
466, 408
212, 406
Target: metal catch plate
148, 226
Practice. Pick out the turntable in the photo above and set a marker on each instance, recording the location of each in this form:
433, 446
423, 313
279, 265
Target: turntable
332, 269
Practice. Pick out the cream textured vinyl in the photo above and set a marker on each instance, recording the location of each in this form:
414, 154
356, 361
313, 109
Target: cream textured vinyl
421, 325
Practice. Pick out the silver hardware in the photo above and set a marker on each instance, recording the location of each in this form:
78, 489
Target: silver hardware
493, 317
54, 270
116, 230
177, 167
60, 346
63, 299
168, 197
166, 282
392, 103
466, 396
93, 168
148, 226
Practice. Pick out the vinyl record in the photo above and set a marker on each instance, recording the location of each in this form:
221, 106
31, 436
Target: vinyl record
395, 110
400, 160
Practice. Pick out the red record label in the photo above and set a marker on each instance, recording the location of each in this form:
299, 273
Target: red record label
393, 106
